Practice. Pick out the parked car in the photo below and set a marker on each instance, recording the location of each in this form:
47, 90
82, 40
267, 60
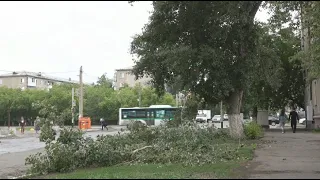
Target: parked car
202, 118
216, 118
273, 120
302, 121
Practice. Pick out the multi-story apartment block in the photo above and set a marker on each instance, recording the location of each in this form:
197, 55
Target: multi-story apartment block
125, 76
28, 80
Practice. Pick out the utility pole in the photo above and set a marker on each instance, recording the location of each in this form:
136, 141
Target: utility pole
81, 95
221, 114
72, 107
177, 100
139, 95
305, 43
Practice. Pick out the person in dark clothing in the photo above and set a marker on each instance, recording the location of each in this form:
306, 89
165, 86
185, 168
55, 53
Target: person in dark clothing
294, 117
22, 125
103, 124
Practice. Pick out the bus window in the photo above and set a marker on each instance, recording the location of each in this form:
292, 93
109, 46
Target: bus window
159, 113
169, 113
141, 113
132, 114
127, 114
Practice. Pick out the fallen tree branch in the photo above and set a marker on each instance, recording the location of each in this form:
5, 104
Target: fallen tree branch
141, 149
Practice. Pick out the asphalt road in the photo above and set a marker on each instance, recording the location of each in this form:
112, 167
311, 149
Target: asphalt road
13, 151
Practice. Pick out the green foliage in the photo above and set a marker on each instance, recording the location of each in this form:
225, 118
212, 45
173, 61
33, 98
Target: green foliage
191, 41
310, 57
270, 90
253, 130
186, 144
69, 135
47, 133
104, 81
136, 126
176, 122
100, 101
190, 110
301, 16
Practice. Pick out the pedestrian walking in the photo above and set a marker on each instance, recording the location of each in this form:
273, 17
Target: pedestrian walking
22, 125
103, 124
294, 117
282, 120
37, 124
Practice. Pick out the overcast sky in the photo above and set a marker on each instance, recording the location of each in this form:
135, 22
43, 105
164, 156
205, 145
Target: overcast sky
58, 37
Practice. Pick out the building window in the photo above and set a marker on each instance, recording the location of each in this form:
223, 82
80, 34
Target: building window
33, 80
22, 80
122, 75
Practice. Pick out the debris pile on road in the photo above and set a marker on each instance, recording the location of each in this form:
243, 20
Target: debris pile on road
185, 144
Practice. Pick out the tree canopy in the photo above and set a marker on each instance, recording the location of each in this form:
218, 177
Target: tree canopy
217, 51
211, 47
100, 100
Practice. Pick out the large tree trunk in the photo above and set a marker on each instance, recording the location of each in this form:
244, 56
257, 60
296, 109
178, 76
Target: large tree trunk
255, 114
235, 121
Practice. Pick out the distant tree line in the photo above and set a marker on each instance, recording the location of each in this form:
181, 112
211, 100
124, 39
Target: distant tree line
100, 101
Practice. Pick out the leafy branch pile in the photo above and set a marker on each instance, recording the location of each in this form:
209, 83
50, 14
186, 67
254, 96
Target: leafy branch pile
187, 145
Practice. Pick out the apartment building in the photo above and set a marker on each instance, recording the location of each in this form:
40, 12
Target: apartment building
29, 80
125, 76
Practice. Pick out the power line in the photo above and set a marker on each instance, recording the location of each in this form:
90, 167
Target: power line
59, 72
42, 72
90, 75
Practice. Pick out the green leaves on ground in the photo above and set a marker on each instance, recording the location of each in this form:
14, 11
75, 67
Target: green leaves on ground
186, 145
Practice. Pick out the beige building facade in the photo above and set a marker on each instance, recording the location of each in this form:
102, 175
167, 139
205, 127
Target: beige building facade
125, 76
30, 80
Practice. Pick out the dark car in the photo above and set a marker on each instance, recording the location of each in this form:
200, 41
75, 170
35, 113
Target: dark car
273, 120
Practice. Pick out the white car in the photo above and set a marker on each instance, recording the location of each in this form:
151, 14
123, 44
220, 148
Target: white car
202, 118
302, 121
216, 118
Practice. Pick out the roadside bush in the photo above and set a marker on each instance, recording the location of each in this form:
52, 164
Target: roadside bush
135, 126
47, 134
69, 135
253, 130
186, 144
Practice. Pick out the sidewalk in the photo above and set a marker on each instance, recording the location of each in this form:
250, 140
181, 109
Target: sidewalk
289, 156
110, 128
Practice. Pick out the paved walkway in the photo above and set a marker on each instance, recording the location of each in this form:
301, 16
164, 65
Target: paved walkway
288, 156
